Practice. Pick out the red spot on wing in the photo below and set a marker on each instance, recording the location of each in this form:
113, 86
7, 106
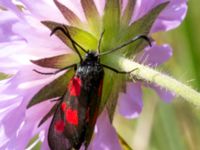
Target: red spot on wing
59, 126
63, 106
74, 86
72, 116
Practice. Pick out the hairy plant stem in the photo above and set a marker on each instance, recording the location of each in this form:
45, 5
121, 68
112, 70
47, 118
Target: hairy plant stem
151, 75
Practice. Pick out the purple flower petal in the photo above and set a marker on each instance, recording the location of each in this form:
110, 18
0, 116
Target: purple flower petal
124, 4
45, 43
171, 17
11, 6
100, 4
155, 55
40, 9
7, 20
24, 125
168, 19
165, 95
105, 137
45, 145
130, 103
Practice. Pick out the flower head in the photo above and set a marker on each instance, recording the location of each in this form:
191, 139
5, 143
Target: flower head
27, 46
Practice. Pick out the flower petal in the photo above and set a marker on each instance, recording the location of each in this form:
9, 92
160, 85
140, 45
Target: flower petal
40, 9
45, 145
171, 17
39, 38
75, 7
68, 14
130, 103
105, 135
165, 95
155, 55
8, 4
7, 20
100, 4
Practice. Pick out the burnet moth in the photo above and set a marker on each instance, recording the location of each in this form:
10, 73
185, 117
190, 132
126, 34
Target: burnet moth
75, 113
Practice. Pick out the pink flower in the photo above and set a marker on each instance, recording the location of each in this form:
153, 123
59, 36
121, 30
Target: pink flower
23, 38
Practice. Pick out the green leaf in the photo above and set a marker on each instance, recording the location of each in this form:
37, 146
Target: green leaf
54, 89
92, 15
111, 22
72, 18
57, 62
83, 38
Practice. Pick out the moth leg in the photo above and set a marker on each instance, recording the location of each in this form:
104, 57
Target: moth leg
117, 71
52, 73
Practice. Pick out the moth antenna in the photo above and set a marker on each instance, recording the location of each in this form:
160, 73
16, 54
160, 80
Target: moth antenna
127, 43
100, 40
65, 31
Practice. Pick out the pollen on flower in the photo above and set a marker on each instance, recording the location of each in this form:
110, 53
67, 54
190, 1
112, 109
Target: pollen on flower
59, 126
72, 116
74, 86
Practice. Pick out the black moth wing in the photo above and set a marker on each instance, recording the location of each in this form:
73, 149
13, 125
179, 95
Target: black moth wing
64, 135
74, 120
56, 140
91, 74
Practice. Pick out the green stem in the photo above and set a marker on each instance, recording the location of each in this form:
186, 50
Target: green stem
153, 76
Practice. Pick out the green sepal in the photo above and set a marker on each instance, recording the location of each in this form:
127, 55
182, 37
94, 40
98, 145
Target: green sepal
83, 38
71, 17
125, 19
118, 82
92, 15
111, 12
57, 62
141, 26
52, 90
111, 93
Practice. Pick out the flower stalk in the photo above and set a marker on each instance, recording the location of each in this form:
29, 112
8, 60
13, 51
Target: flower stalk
154, 76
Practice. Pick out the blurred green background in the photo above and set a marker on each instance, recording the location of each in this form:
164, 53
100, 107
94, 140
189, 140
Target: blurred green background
176, 125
